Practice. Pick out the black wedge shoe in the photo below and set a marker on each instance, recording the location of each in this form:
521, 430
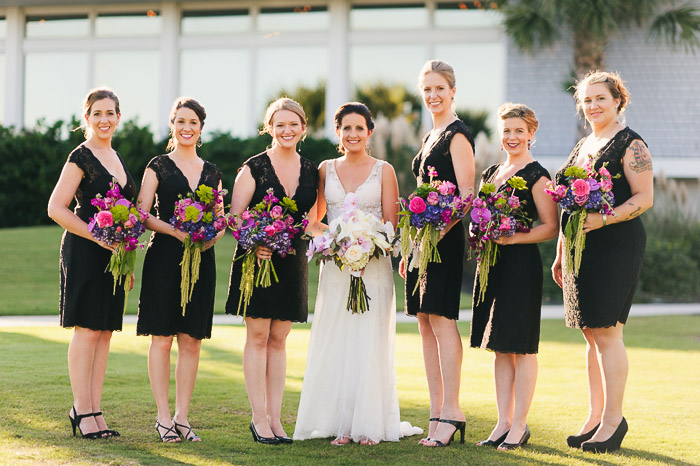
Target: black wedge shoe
75, 423
575, 441
459, 426
493, 443
611, 444
264, 440
513, 446
109, 432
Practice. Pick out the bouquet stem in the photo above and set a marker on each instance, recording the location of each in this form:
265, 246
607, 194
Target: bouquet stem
488, 259
262, 278
247, 282
358, 301
575, 240
189, 270
121, 266
427, 240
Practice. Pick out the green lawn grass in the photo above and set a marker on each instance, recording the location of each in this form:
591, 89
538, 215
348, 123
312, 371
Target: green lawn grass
661, 405
29, 278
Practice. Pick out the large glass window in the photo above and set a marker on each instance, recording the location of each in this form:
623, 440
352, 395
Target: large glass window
48, 94
285, 68
214, 22
480, 74
137, 24
38, 26
3, 28
222, 87
466, 14
133, 76
368, 65
299, 18
389, 16
2, 88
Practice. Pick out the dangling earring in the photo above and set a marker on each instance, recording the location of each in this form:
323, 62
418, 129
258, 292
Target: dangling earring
501, 147
199, 141
584, 124
528, 144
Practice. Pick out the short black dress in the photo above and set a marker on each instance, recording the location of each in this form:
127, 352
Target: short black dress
508, 319
160, 312
611, 263
440, 288
87, 291
289, 298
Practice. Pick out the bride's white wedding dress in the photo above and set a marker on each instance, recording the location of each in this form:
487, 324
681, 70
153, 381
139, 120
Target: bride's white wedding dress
349, 387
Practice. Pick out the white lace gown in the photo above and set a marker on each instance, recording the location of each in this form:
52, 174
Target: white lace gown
349, 386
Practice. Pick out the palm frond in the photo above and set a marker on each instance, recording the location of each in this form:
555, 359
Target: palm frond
531, 23
678, 27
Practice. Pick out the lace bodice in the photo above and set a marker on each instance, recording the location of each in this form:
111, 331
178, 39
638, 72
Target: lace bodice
369, 193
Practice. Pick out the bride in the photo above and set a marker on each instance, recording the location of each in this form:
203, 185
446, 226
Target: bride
349, 388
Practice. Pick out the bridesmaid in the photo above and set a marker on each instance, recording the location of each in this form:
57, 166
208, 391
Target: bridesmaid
168, 176
272, 310
507, 321
598, 300
88, 300
449, 147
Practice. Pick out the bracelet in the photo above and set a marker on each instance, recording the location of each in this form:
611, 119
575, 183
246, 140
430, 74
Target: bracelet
605, 220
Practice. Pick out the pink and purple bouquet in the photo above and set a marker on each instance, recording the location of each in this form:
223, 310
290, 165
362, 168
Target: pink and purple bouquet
350, 241
199, 216
423, 215
118, 221
585, 191
270, 224
494, 214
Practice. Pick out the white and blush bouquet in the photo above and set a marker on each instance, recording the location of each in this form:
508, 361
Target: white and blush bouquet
350, 241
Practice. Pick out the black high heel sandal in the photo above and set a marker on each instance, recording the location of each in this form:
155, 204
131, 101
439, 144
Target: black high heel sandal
109, 432
166, 437
190, 436
493, 443
459, 426
514, 446
427, 439
75, 422
611, 444
575, 441
264, 440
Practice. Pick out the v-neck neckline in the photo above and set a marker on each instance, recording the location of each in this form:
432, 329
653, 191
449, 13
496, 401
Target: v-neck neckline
187, 181
493, 178
598, 153
279, 182
126, 175
337, 176
432, 146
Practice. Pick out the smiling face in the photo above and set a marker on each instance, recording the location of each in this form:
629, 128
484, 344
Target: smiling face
102, 118
286, 129
437, 93
515, 135
186, 127
599, 106
354, 133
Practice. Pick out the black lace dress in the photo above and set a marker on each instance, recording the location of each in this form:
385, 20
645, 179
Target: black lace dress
440, 288
87, 292
288, 299
160, 312
508, 319
601, 295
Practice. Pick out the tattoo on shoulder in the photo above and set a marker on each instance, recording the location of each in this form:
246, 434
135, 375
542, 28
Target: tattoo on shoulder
642, 157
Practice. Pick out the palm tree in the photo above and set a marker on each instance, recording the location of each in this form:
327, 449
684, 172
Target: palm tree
593, 23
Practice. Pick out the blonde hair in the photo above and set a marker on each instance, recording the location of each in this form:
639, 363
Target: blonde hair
522, 111
283, 103
440, 67
612, 80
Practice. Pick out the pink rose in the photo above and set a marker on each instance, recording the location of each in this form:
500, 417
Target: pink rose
433, 198
269, 230
279, 225
604, 173
606, 184
581, 187
131, 221
246, 215
417, 205
105, 219
446, 188
276, 212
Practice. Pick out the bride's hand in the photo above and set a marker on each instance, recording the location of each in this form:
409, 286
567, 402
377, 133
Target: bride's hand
402, 268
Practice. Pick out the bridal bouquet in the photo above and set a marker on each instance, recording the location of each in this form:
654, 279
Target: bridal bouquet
423, 214
494, 214
197, 215
585, 191
118, 221
351, 240
268, 223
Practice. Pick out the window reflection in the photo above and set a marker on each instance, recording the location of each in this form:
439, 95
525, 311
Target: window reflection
480, 71
133, 76
2, 88
46, 94
214, 22
387, 64
300, 18
222, 89
38, 27
383, 17
466, 14
139, 24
